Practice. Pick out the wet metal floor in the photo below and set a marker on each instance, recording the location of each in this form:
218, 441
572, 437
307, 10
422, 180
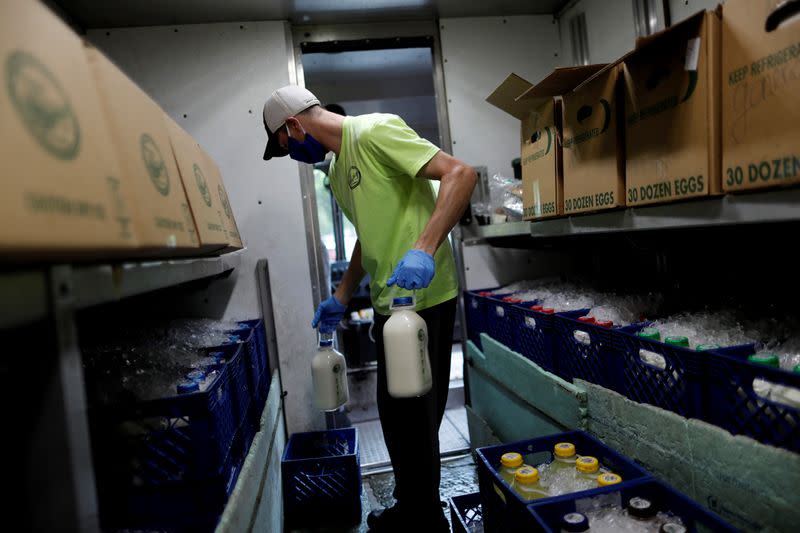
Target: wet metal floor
453, 439
459, 476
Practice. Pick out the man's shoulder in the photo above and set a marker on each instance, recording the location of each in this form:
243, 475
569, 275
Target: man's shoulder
371, 123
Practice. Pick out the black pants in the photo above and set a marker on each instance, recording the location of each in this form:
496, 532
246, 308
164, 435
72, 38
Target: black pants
411, 425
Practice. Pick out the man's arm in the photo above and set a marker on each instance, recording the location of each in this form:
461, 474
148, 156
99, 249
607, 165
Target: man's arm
457, 181
352, 277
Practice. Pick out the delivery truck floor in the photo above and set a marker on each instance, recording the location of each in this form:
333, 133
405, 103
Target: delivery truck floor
459, 476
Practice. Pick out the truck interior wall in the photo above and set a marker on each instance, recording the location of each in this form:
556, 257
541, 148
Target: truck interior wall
213, 79
478, 53
680, 9
610, 29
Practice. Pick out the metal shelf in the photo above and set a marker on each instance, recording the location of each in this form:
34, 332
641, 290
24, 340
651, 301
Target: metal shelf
100, 284
748, 208
752, 208
25, 294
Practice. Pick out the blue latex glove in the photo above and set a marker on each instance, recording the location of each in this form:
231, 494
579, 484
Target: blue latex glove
328, 315
414, 271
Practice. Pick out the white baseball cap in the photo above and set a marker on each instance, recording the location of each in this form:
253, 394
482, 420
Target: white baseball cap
282, 104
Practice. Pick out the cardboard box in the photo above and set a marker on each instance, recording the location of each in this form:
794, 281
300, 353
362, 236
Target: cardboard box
672, 137
234, 238
760, 88
159, 208
62, 194
201, 182
593, 146
538, 109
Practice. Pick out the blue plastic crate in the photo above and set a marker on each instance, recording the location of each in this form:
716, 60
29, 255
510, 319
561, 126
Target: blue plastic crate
236, 357
465, 512
176, 438
537, 336
476, 308
504, 319
735, 405
547, 515
678, 387
176, 505
503, 510
259, 367
589, 352
321, 477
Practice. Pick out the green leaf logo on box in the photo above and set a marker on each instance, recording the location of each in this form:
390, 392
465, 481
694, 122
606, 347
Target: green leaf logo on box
43, 105
223, 198
202, 185
154, 163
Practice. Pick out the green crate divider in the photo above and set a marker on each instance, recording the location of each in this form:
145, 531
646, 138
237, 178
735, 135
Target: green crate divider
516, 399
559, 399
749, 484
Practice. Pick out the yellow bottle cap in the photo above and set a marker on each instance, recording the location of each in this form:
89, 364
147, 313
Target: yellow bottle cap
564, 449
604, 480
526, 475
587, 464
511, 459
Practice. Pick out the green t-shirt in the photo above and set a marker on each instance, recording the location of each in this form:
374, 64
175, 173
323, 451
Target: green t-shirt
374, 181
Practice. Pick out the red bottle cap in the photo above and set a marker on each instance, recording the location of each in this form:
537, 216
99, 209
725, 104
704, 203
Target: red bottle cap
512, 300
586, 319
537, 307
484, 293
548, 310
605, 323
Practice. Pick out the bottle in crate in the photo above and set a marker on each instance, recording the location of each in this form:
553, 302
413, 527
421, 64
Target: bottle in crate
509, 463
405, 339
527, 484
329, 374
574, 523
564, 457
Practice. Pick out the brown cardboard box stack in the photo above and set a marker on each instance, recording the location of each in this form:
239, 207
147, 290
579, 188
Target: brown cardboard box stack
159, 209
672, 118
62, 189
704, 107
760, 88
87, 162
538, 109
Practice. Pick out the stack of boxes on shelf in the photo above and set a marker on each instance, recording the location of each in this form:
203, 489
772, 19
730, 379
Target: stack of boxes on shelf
93, 168
702, 108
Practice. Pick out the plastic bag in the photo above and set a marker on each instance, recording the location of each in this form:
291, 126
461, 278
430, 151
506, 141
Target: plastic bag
506, 195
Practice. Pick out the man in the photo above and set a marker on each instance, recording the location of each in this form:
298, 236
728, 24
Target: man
380, 176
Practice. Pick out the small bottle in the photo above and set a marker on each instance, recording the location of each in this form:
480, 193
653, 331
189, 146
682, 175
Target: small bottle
526, 483
548, 310
187, 387
605, 324
564, 457
405, 341
537, 307
608, 479
766, 359
329, 374
587, 468
641, 509
586, 320
707, 347
196, 375
574, 523
672, 527
509, 462
683, 342
651, 334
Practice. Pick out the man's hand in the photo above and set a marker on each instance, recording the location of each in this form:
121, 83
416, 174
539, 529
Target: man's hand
414, 271
328, 315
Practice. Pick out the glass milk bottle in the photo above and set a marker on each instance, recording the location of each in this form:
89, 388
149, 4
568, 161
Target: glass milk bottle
405, 341
329, 373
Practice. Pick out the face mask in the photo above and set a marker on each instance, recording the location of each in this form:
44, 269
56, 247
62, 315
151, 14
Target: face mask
308, 151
